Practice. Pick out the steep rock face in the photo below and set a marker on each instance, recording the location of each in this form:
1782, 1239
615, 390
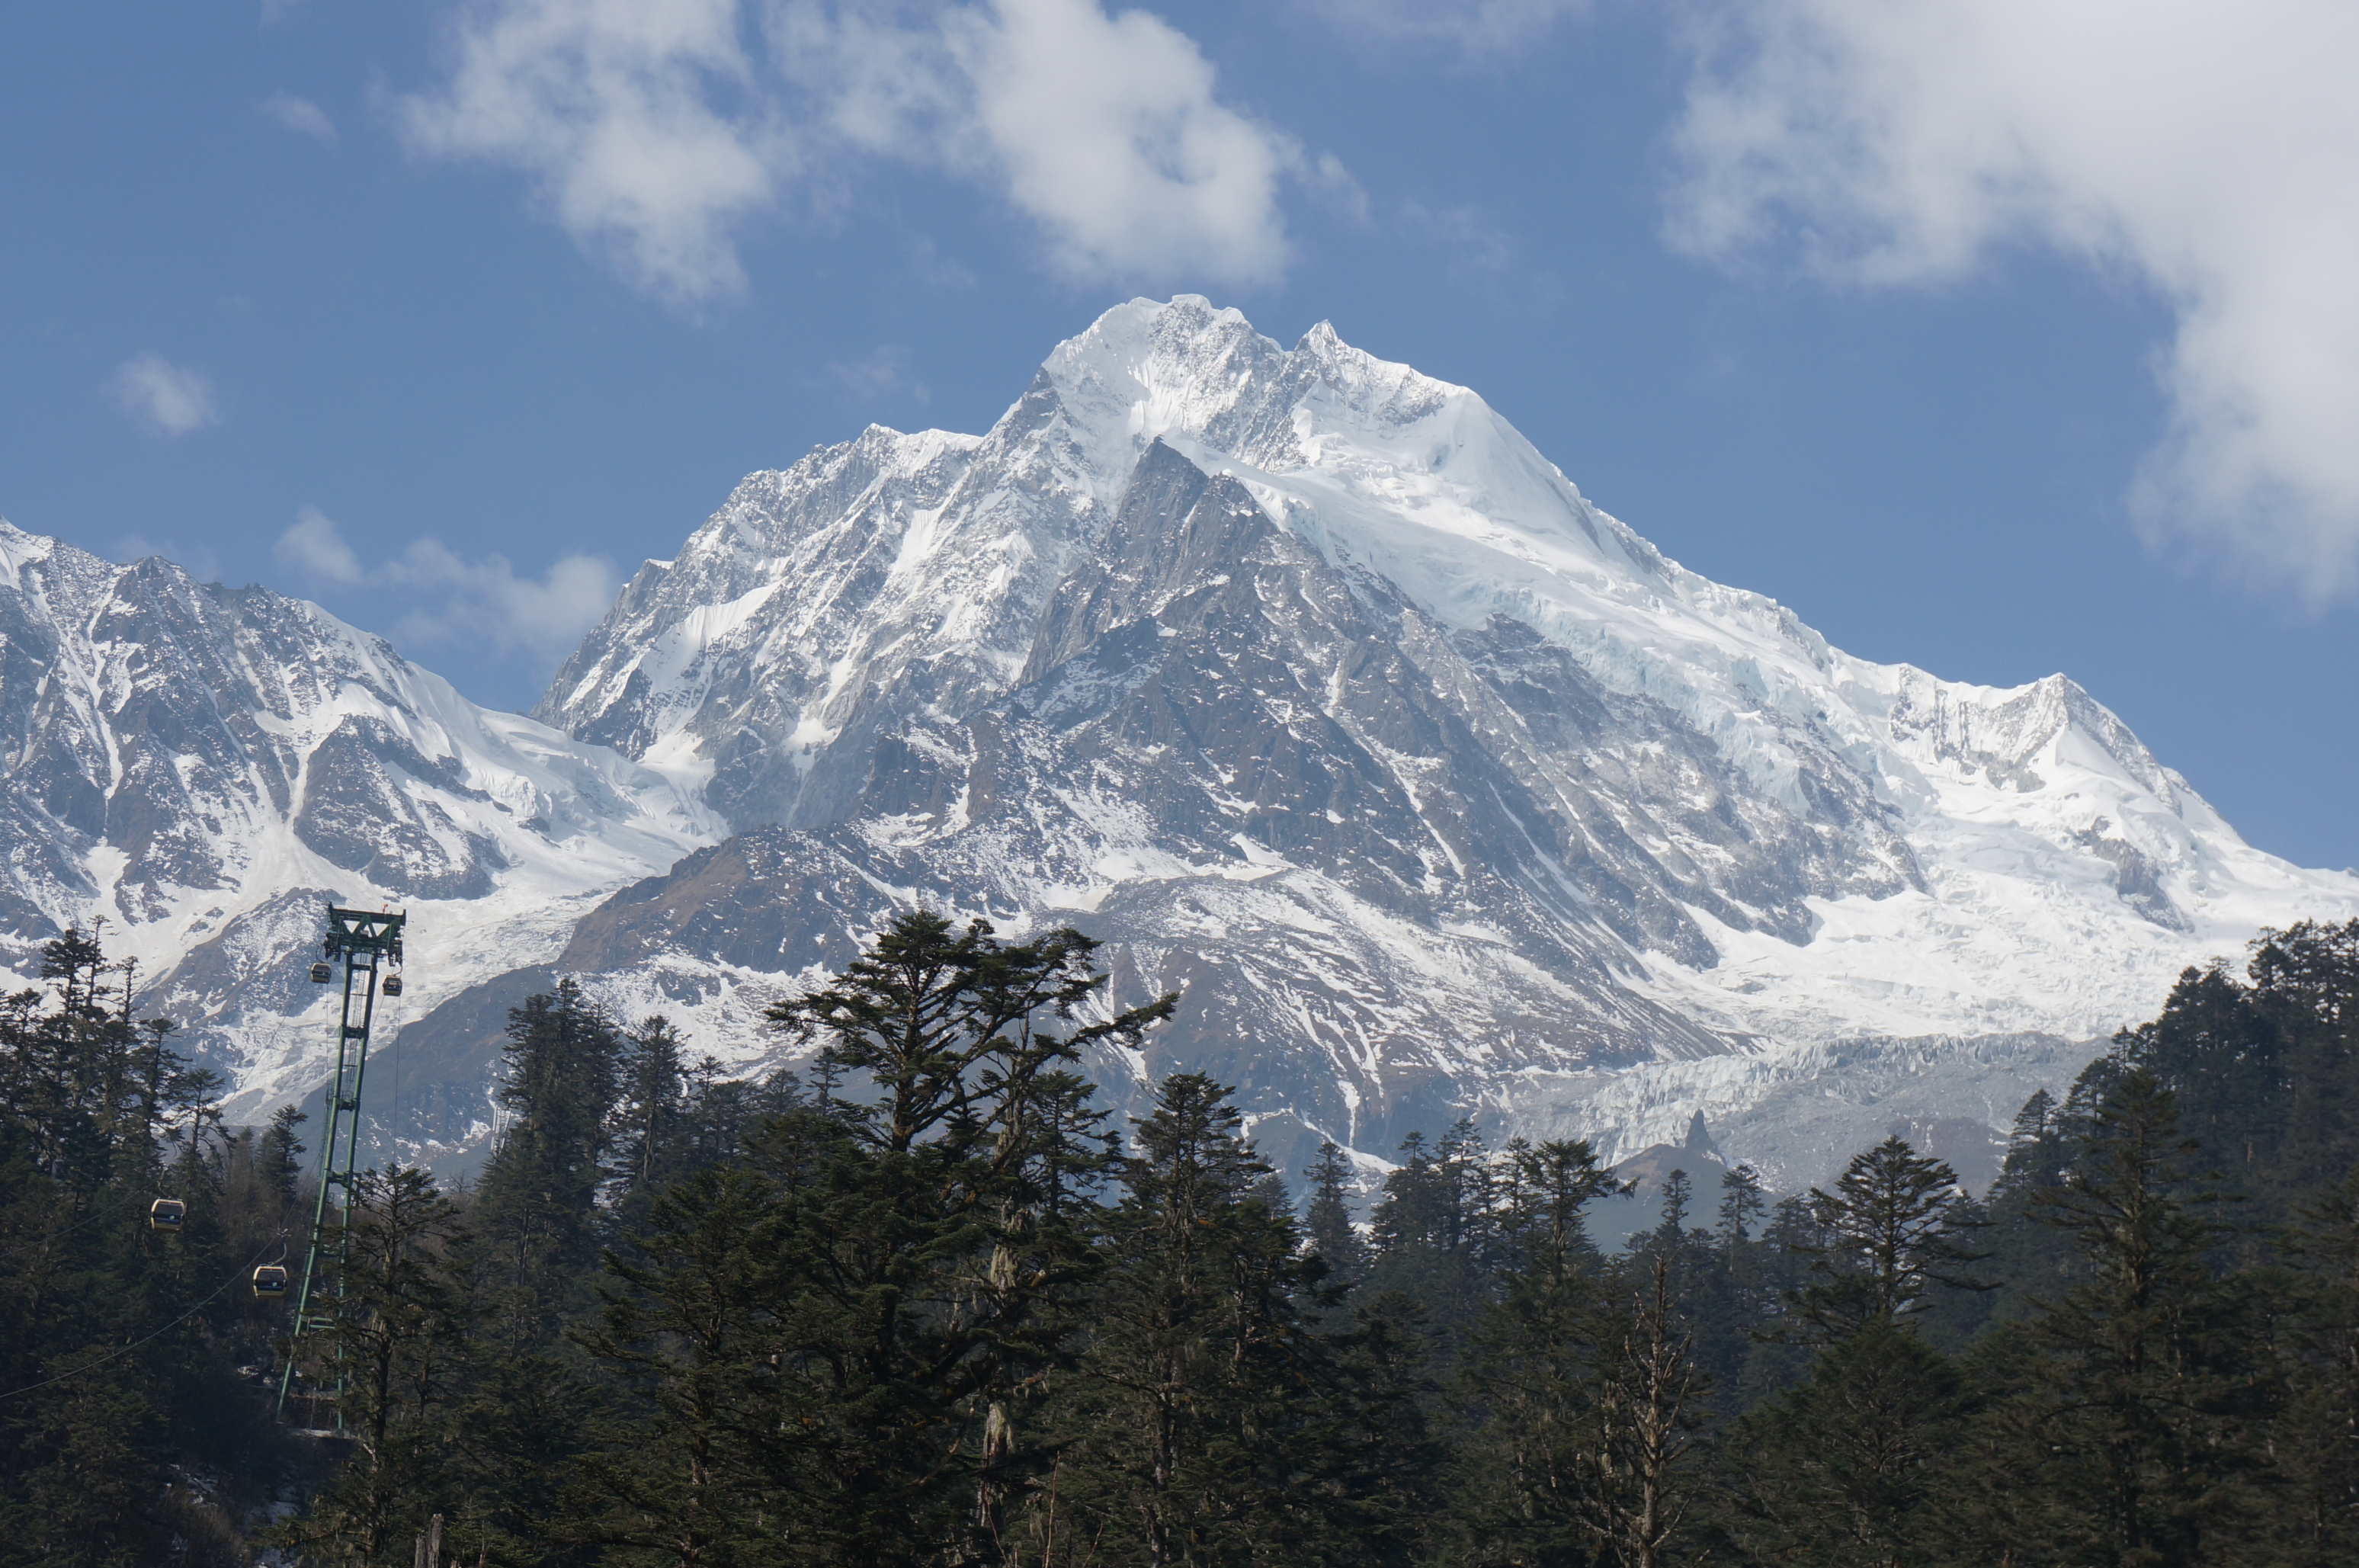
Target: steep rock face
201, 766
1306, 683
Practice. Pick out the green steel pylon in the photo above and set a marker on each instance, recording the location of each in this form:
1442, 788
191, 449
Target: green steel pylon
366, 942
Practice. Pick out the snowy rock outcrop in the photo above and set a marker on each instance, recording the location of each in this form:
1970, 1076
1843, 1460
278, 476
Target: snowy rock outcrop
200, 767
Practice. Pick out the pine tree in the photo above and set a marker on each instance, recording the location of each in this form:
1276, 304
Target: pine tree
1327, 1222
536, 1237
1889, 1233
1536, 1366
2137, 1436
1215, 1423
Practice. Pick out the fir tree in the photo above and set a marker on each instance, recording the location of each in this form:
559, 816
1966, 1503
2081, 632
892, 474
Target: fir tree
534, 1218
652, 1101
1220, 1426
397, 1349
2317, 1441
279, 1160
1635, 1478
2137, 1437
1888, 1235
1849, 1466
1537, 1365
1327, 1221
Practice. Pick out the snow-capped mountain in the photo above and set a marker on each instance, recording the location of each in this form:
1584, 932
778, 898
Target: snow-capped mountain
1299, 677
1304, 679
200, 767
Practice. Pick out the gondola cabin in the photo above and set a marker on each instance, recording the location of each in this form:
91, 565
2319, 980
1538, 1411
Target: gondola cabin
270, 1281
165, 1213
322, 973
392, 986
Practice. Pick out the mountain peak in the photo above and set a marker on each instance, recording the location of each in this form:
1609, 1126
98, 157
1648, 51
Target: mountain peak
1318, 688
19, 550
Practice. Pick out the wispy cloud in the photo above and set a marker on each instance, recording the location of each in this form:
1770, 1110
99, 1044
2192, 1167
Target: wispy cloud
629, 116
654, 131
164, 398
1471, 28
880, 373
316, 548
452, 599
300, 115
199, 561
2211, 152
1477, 249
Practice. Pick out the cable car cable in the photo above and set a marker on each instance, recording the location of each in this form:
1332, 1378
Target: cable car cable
192, 1311
91, 1218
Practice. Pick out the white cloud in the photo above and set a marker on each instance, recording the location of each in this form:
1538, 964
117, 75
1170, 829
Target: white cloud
2209, 151
654, 133
485, 599
482, 601
1472, 27
316, 548
880, 373
300, 115
166, 398
617, 108
1107, 132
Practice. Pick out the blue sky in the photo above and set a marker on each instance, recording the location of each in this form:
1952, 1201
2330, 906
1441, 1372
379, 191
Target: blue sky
1998, 337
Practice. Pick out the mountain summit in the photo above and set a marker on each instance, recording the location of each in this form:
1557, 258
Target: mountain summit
1303, 679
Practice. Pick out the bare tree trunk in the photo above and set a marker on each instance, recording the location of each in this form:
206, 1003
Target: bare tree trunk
1646, 1417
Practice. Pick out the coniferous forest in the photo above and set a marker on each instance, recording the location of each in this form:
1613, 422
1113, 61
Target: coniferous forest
928, 1305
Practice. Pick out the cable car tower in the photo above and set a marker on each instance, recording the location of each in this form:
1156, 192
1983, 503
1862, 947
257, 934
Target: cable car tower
369, 945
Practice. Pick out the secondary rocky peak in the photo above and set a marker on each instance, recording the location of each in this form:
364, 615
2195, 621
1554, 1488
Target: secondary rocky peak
200, 765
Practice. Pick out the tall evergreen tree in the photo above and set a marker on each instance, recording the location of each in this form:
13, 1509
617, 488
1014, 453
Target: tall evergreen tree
1637, 1477
1217, 1424
899, 1280
2139, 1435
2317, 1435
536, 1234
652, 1101
1888, 1235
396, 1349
1850, 1466
1327, 1219
281, 1149
1536, 1366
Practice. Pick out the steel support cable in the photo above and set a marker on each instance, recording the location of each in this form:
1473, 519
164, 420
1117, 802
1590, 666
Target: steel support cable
243, 1271
96, 1215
